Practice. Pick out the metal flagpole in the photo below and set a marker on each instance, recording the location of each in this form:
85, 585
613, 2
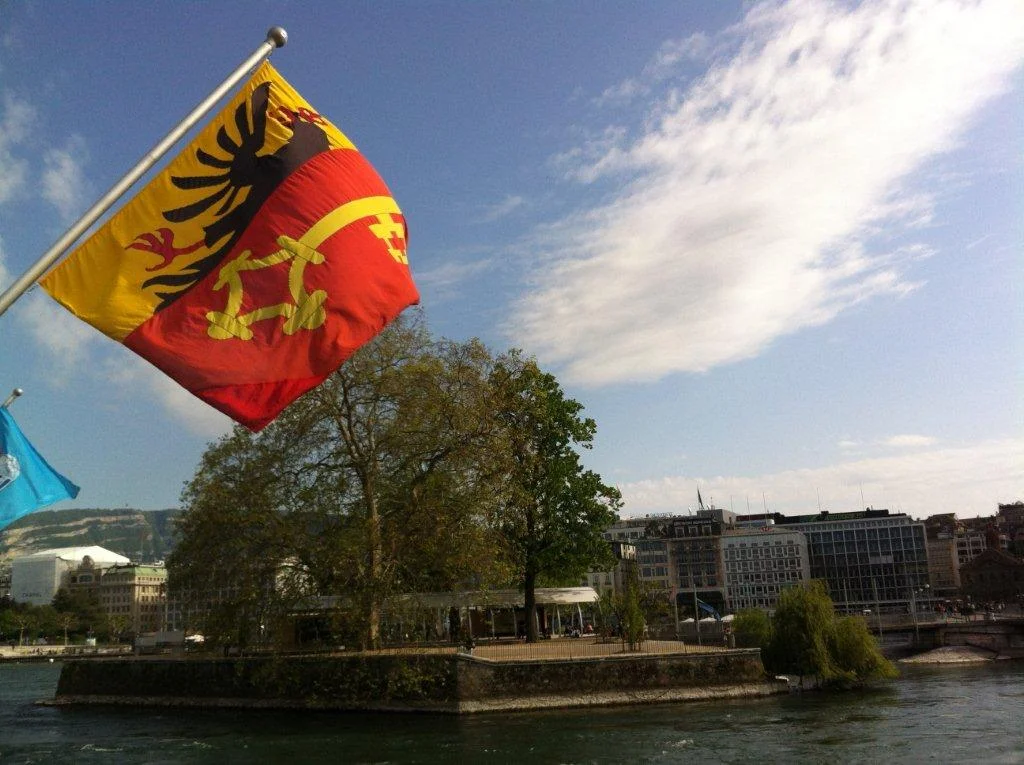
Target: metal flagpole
696, 614
10, 399
276, 38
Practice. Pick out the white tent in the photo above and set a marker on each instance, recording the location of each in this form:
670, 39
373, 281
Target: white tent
35, 578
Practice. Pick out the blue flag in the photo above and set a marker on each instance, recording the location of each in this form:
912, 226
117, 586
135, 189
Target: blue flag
709, 609
27, 483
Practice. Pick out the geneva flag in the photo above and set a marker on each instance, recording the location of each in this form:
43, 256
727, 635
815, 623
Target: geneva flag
27, 483
264, 255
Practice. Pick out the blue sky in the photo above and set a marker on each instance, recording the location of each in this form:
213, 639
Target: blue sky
774, 248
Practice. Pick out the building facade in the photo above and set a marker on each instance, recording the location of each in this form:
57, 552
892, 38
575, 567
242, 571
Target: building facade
760, 563
133, 597
994, 577
869, 560
36, 578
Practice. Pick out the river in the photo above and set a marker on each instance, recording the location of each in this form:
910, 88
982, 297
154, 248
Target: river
954, 714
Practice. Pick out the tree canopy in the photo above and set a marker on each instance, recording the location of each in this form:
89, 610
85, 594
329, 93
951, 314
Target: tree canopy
806, 637
553, 511
400, 473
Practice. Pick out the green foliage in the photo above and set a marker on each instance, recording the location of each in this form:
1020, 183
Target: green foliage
807, 638
377, 482
553, 511
752, 627
631, 617
420, 465
80, 612
856, 652
802, 631
24, 623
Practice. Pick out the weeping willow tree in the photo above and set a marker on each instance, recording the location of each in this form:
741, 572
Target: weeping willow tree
807, 638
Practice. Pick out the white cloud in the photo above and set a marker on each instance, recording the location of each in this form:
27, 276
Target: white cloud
909, 440
76, 349
745, 208
622, 93
5, 274
16, 118
968, 480
505, 207
666, 63
63, 337
63, 182
184, 408
674, 53
449, 275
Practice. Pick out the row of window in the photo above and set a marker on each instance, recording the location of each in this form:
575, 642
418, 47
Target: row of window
768, 576
766, 552
763, 565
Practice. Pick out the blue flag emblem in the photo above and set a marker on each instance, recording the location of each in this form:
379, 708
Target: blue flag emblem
9, 470
27, 482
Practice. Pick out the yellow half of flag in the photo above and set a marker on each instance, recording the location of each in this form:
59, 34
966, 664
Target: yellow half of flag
130, 267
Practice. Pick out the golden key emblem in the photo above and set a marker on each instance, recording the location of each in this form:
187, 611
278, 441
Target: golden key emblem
306, 311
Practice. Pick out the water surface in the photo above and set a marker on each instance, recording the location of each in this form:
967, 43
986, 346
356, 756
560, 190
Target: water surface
943, 714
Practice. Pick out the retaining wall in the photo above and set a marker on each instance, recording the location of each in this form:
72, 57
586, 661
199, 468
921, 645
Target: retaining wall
413, 682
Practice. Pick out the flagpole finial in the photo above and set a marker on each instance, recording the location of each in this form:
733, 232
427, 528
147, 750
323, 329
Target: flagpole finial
10, 399
277, 36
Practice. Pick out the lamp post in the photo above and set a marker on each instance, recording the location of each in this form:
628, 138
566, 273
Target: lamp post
913, 606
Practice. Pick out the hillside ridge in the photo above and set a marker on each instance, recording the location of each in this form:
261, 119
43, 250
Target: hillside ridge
145, 536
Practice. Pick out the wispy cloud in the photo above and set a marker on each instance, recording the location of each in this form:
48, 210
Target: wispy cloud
505, 207
71, 349
969, 480
900, 441
185, 409
445, 280
666, 63
63, 181
747, 206
674, 53
909, 441
5, 274
65, 340
16, 118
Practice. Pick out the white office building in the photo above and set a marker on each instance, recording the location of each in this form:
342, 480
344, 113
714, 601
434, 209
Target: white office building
36, 578
760, 563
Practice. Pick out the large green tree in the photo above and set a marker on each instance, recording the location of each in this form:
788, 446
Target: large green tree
553, 511
378, 481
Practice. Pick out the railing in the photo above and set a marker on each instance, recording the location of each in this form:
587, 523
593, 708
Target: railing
552, 649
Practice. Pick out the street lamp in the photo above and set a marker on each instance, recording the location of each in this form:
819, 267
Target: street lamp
913, 606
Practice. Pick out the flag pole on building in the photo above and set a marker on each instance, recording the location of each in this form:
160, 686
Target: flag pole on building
10, 399
276, 38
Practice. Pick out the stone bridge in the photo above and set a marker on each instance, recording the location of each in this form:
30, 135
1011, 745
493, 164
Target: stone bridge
1001, 635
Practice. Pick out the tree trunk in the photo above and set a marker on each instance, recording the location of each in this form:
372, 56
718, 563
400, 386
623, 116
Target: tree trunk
376, 554
530, 601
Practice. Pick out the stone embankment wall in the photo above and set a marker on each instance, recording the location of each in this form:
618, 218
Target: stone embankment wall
412, 682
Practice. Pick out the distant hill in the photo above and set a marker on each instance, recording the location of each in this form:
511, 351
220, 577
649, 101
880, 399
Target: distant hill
142, 535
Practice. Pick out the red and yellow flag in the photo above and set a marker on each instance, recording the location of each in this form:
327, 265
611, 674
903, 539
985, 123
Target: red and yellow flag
258, 261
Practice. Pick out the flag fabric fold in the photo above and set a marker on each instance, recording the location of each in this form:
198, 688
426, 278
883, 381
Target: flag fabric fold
255, 264
27, 482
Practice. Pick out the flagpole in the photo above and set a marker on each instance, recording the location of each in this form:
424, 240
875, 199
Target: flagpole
276, 38
10, 399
